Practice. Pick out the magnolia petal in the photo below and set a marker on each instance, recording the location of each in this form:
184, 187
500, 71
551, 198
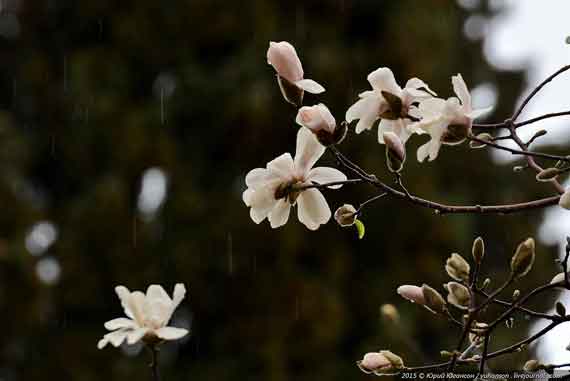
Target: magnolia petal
310, 86
123, 293
564, 201
155, 291
115, 338
171, 333
398, 127
366, 110
279, 215
313, 209
461, 90
383, 79
137, 301
429, 149
416, 84
479, 112
135, 335
309, 150
119, 323
323, 175
257, 177
178, 294
282, 166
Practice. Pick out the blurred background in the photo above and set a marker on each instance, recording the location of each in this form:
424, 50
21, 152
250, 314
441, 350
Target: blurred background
126, 131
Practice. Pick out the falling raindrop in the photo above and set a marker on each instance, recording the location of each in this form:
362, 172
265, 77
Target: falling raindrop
162, 106
230, 255
134, 232
154, 185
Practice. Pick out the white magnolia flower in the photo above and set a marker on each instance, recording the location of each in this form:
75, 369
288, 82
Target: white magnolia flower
446, 121
147, 316
273, 190
284, 59
389, 102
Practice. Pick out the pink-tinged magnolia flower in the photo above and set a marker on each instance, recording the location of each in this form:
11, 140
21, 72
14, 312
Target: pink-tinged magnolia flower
273, 190
414, 294
147, 315
565, 199
390, 103
446, 121
284, 59
316, 118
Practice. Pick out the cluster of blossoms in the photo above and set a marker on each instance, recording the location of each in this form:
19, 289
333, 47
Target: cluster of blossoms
401, 112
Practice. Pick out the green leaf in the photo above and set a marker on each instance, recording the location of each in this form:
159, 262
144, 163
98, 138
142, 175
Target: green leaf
360, 228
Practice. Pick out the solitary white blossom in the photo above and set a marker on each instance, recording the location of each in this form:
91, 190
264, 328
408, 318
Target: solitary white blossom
284, 59
565, 199
446, 121
390, 103
273, 190
147, 315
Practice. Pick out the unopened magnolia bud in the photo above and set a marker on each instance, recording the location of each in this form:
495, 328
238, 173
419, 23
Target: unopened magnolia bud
395, 106
395, 152
446, 354
531, 366
457, 268
478, 250
345, 215
558, 278
560, 309
284, 59
433, 300
455, 133
516, 294
565, 200
522, 261
484, 136
390, 313
547, 174
486, 283
374, 362
290, 91
414, 294
519, 168
458, 296
477, 333
320, 121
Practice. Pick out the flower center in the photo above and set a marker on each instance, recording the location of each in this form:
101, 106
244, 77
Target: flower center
289, 190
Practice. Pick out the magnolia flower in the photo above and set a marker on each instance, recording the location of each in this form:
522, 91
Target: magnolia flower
558, 278
389, 102
147, 316
446, 121
273, 190
284, 59
565, 200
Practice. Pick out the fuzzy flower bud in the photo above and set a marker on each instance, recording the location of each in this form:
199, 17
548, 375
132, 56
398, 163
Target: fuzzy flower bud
395, 152
414, 294
531, 366
457, 268
433, 299
522, 261
458, 295
478, 250
345, 215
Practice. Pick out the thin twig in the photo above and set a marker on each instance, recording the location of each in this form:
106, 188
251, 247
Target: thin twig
520, 152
